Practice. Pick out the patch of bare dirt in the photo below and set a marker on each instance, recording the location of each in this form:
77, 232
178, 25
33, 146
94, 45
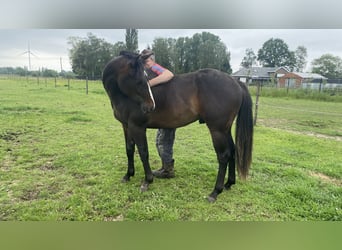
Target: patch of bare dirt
317, 135
48, 166
6, 164
278, 123
31, 194
326, 178
120, 217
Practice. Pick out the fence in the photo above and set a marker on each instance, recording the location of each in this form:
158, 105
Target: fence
330, 91
330, 87
56, 82
313, 90
333, 86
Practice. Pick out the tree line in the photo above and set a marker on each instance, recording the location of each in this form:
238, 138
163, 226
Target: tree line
89, 55
43, 72
186, 54
202, 50
276, 53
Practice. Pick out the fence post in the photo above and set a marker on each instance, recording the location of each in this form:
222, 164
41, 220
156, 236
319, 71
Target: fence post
87, 85
68, 83
256, 103
320, 85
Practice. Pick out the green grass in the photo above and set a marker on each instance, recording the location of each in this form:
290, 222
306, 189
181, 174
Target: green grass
329, 95
305, 116
62, 157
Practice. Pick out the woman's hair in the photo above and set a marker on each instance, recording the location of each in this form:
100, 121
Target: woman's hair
146, 53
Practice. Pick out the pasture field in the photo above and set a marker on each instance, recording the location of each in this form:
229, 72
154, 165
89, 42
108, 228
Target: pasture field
62, 157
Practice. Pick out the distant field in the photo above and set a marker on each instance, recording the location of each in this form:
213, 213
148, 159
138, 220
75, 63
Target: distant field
62, 157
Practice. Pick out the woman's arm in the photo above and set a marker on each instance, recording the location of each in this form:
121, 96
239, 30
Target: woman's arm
163, 77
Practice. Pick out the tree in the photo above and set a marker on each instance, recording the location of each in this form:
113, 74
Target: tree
276, 53
179, 58
21, 71
249, 59
118, 46
212, 53
173, 53
186, 54
300, 58
162, 50
49, 73
89, 55
328, 65
132, 40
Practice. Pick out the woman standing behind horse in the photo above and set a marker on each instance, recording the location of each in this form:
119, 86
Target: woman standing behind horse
165, 137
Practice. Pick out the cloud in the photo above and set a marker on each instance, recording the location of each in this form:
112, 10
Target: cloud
49, 45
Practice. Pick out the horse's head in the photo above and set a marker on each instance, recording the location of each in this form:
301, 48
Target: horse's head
133, 82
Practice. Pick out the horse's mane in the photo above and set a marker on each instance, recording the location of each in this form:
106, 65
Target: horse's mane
129, 54
136, 60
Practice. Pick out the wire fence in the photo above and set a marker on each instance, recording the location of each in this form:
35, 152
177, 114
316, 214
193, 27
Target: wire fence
328, 91
329, 88
85, 85
257, 91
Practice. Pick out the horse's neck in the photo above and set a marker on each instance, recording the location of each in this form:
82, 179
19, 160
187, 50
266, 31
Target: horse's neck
115, 93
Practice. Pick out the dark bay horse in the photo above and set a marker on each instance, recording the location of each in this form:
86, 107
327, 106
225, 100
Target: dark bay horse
207, 95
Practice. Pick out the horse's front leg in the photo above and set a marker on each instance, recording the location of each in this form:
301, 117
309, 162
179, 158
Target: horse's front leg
130, 148
139, 136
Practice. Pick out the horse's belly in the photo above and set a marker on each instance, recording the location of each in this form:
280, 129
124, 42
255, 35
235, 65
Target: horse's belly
170, 121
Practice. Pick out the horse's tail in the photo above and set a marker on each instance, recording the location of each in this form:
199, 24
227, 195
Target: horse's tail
244, 134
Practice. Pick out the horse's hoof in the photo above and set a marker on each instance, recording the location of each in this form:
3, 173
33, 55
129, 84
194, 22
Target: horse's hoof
227, 186
211, 199
125, 179
144, 187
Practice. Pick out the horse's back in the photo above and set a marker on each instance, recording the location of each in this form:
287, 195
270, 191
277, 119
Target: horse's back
208, 81
214, 80
206, 94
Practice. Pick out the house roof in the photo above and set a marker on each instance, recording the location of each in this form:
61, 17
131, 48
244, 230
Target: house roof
309, 75
256, 72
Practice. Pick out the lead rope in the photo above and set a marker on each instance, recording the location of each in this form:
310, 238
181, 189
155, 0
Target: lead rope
149, 89
146, 75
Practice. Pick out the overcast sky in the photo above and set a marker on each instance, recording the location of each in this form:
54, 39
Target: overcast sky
50, 46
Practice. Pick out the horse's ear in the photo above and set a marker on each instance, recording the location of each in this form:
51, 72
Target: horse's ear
131, 66
140, 58
133, 62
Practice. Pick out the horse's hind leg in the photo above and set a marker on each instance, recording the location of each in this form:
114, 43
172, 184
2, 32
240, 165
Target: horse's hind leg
231, 164
221, 146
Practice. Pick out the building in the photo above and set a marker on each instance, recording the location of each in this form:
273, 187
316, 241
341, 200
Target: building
299, 80
260, 74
